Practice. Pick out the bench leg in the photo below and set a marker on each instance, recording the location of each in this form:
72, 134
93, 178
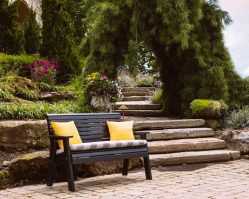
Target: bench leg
51, 166
69, 166
147, 168
51, 170
125, 167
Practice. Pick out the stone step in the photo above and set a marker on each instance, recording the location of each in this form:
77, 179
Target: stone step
168, 124
138, 89
169, 134
136, 98
193, 157
140, 93
181, 145
142, 105
145, 113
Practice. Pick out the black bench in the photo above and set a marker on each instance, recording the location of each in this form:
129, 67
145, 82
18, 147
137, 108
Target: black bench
92, 127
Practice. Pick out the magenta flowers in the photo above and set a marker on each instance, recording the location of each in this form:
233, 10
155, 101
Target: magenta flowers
44, 71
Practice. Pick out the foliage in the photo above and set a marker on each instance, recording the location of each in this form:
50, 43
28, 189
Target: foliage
144, 81
58, 35
126, 81
5, 96
44, 71
182, 36
98, 84
16, 64
205, 108
39, 110
237, 119
32, 34
11, 33
20, 87
157, 97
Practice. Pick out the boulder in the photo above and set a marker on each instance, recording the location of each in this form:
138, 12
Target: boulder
34, 167
237, 140
21, 134
57, 96
213, 124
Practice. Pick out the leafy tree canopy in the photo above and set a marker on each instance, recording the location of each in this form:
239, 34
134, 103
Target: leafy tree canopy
184, 36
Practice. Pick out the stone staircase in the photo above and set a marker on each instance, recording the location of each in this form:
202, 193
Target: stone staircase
172, 141
138, 102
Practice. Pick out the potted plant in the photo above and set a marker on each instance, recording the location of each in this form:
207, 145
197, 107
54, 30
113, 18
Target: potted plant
101, 90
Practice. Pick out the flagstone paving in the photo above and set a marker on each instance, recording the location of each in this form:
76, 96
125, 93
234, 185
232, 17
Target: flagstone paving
227, 180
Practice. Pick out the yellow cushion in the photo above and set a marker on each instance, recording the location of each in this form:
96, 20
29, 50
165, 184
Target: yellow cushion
66, 129
121, 130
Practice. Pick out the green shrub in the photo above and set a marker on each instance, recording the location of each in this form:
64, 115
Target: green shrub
46, 87
157, 97
144, 81
204, 108
126, 81
5, 96
237, 119
16, 64
39, 110
20, 87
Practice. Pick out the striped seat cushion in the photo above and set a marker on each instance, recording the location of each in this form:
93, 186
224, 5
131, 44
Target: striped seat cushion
105, 145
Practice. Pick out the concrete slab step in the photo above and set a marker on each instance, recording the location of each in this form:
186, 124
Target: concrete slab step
140, 93
138, 89
136, 98
193, 157
145, 113
181, 145
168, 124
169, 134
141, 105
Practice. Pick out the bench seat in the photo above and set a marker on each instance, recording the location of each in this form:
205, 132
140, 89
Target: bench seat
104, 145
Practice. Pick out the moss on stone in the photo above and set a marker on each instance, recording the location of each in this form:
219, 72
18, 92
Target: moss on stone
204, 108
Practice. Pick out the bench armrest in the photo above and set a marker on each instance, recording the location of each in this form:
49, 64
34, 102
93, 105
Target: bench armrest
142, 134
56, 137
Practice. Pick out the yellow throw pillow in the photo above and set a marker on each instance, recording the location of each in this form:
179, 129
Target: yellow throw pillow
121, 130
66, 129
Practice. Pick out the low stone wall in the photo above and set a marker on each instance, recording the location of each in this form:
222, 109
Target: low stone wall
33, 168
21, 135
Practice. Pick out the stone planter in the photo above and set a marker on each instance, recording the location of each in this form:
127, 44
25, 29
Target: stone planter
102, 103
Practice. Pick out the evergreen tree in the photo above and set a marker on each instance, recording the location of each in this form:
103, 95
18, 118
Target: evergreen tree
11, 33
185, 36
32, 34
57, 35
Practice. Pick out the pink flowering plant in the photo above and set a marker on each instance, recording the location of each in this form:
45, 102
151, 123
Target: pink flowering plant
97, 84
44, 71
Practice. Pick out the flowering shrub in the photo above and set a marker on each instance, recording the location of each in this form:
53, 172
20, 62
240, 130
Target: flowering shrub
98, 84
44, 71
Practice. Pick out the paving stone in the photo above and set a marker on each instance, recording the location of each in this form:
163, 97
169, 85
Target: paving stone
228, 180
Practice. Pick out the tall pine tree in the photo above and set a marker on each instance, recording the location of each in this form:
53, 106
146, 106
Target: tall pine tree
11, 32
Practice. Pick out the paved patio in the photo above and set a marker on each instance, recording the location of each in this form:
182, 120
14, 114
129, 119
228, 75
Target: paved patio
221, 180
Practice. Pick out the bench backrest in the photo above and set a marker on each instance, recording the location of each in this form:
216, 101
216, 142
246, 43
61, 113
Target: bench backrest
92, 127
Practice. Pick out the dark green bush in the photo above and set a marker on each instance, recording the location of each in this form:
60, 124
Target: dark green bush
204, 108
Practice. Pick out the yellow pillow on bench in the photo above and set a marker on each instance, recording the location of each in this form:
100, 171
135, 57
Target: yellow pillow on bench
66, 129
121, 130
